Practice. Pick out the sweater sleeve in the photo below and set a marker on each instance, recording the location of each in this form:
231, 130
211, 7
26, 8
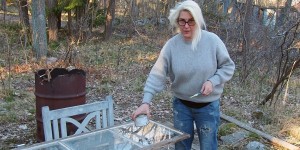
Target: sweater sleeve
225, 66
155, 82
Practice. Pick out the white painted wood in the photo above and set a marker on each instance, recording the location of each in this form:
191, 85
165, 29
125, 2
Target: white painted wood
52, 119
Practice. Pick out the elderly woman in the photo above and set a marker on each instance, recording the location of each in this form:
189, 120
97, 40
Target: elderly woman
196, 61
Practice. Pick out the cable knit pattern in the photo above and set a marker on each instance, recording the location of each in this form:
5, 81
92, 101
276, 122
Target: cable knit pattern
188, 69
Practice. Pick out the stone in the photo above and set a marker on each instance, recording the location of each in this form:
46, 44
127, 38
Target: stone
254, 145
233, 138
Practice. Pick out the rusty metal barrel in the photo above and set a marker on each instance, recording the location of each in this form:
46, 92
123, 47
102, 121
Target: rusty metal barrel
58, 88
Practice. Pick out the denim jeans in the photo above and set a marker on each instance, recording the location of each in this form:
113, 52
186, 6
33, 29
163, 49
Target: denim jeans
207, 120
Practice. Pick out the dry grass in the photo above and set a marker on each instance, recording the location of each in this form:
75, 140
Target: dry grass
120, 67
291, 128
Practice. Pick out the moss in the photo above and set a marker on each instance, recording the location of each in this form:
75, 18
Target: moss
227, 128
253, 136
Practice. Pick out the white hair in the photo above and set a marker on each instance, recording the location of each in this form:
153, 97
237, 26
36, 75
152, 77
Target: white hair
194, 9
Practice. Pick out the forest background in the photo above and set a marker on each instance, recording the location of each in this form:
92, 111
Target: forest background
117, 41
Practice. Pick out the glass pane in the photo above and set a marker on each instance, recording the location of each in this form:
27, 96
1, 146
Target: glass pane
152, 133
102, 140
50, 146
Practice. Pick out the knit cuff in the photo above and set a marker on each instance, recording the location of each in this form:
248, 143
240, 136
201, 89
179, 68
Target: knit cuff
147, 98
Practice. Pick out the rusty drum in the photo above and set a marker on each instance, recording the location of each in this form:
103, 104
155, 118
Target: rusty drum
58, 88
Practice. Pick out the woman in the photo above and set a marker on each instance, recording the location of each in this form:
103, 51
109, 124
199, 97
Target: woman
196, 61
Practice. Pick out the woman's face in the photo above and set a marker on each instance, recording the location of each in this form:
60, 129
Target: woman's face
186, 24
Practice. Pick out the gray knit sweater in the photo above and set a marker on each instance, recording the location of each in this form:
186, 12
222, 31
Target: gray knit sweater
188, 69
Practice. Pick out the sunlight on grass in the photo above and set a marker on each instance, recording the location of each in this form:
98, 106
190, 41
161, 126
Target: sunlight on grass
291, 127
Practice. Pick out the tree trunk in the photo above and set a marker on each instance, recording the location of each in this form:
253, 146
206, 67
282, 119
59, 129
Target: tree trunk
3, 7
283, 17
104, 4
134, 10
23, 13
234, 10
58, 16
39, 28
110, 16
24, 19
225, 6
246, 40
52, 20
69, 22
81, 22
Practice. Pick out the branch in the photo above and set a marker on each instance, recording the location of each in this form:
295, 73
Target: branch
280, 81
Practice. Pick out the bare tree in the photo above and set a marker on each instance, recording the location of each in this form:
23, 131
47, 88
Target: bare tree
225, 6
110, 16
24, 19
52, 19
284, 14
3, 7
134, 9
288, 59
23, 12
79, 30
246, 40
39, 28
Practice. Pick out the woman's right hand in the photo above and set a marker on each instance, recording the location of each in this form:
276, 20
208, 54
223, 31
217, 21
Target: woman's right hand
143, 109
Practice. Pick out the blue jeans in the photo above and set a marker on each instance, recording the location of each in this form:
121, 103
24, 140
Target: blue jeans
207, 120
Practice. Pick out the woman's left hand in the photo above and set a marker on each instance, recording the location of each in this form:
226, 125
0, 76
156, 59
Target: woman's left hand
207, 88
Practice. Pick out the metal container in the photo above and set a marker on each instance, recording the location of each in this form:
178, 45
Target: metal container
141, 120
58, 88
